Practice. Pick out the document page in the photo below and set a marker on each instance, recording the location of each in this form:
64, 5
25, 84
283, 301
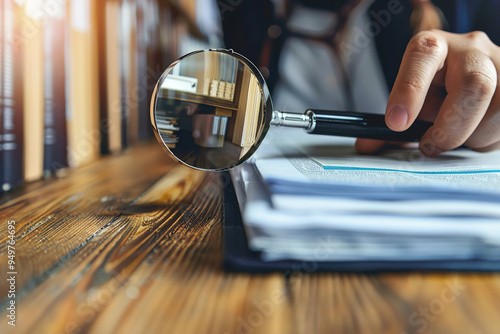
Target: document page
303, 191
337, 162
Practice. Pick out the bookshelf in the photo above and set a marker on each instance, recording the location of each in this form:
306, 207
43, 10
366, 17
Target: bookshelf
76, 78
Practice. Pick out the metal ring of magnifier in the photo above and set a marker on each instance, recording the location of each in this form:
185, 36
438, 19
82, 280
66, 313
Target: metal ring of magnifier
267, 112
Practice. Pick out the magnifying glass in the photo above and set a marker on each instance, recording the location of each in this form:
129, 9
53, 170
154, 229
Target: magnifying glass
211, 110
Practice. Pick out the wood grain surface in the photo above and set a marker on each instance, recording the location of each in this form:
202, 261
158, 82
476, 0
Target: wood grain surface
133, 244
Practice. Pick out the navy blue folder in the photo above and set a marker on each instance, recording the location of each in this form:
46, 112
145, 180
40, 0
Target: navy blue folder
238, 257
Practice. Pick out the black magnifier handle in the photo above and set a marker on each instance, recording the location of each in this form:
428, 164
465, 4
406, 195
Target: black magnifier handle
349, 124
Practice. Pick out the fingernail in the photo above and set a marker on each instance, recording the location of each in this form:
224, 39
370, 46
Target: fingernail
430, 150
398, 117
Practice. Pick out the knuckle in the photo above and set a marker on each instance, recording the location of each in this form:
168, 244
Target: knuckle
413, 84
478, 85
476, 59
427, 43
444, 139
479, 40
479, 36
479, 79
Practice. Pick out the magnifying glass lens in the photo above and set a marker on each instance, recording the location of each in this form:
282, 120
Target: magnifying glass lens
211, 109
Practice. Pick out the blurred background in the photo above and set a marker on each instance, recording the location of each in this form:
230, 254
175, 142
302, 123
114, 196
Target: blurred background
76, 76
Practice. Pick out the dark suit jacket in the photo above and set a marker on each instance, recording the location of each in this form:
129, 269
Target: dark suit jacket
246, 22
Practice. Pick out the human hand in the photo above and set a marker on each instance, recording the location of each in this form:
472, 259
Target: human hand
451, 80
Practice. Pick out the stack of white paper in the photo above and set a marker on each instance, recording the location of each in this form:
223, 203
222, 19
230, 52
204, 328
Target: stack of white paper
314, 198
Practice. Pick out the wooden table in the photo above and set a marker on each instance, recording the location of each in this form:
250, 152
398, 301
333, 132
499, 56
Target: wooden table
133, 244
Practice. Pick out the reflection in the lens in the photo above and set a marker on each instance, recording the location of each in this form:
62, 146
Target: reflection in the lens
210, 110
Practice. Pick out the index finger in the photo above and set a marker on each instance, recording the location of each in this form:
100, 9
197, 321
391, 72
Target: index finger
424, 57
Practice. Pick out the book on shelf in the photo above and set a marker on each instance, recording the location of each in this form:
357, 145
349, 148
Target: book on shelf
33, 91
113, 113
147, 17
83, 84
124, 56
55, 141
130, 83
156, 48
246, 123
11, 95
1, 96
